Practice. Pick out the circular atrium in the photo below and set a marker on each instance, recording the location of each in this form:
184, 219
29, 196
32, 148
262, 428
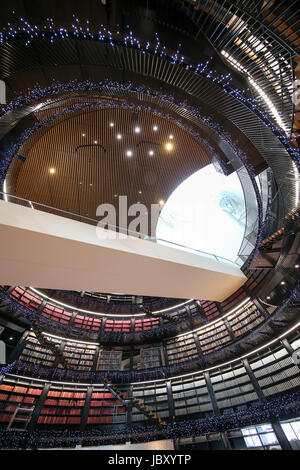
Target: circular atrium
149, 222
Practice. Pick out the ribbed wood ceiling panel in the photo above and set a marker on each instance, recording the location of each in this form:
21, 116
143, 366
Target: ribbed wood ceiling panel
87, 174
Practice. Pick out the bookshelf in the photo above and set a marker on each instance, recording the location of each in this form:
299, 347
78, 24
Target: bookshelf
34, 352
87, 322
150, 357
154, 396
210, 309
181, 349
62, 406
245, 319
80, 356
233, 300
11, 395
146, 324
105, 408
213, 337
26, 298
118, 325
109, 360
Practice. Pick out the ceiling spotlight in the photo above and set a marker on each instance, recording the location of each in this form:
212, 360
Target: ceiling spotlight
151, 153
83, 135
137, 129
111, 124
297, 266
155, 128
140, 192
169, 146
171, 136
91, 184
161, 202
11, 338
268, 297
95, 141
119, 137
129, 153
282, 283
52, 171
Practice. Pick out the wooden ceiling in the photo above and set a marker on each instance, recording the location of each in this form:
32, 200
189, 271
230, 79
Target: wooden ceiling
91, 165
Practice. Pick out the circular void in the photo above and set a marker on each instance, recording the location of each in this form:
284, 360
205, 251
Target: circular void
207, 213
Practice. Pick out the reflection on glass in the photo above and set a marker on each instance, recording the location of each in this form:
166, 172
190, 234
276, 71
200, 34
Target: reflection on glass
206, 212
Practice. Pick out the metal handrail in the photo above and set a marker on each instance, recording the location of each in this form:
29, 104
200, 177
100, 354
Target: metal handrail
116, 228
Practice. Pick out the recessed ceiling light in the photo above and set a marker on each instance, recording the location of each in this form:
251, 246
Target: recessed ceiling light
169, 146
171, 136
95, 141
91, 184
83, 135
52, 171
282, 283
80, 182
137, 129
119, 136
111, 124
129, 153
11, 338
297, 266
140, 192
268, 297
115, 195
151, 152
161, 202
155, 128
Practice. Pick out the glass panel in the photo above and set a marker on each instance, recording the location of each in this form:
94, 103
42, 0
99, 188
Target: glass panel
268, 439
288, 431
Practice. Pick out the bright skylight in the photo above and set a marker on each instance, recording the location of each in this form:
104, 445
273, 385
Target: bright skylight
206, 212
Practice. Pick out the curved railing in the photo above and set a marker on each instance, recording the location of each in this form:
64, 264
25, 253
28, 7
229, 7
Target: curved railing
121, 230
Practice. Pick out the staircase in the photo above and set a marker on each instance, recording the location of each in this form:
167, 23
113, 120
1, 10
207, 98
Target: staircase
15, 418
164, 315
49, 345
288, 222
122, 396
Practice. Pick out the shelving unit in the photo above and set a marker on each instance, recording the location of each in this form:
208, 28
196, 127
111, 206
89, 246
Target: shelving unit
154, 396
109, 360
146, 324
12, 395
245, 319
105, 408
213, 337
62, 407
34, 352
79, 355
150, 357
181, 349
